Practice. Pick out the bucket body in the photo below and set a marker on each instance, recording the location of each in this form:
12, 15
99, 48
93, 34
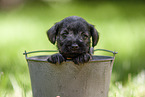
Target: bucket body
91, 79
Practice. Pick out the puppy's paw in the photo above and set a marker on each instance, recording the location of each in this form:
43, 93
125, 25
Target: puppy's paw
82, 58
56, 58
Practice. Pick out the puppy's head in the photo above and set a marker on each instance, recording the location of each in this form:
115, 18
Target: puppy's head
73, 36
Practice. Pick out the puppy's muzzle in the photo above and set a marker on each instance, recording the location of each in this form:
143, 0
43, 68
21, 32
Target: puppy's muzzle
74, 46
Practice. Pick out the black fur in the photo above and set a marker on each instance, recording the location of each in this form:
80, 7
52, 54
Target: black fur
73, 40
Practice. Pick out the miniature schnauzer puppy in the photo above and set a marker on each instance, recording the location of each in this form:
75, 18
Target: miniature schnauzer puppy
72, 35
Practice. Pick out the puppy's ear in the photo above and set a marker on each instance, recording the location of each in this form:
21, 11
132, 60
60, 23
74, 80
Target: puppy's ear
95, 35
52, 33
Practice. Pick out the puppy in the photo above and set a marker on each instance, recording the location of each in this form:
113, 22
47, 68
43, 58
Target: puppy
72, 35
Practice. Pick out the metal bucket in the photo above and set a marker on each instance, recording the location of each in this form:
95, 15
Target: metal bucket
91, 79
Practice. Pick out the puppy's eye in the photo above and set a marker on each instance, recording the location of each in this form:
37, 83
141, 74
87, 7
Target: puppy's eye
64, 35
85, 36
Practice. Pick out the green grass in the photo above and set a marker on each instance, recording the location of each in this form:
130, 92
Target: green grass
133, 88
121, 27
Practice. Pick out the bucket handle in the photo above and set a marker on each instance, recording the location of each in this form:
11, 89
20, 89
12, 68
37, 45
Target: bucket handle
26, 53
91, 51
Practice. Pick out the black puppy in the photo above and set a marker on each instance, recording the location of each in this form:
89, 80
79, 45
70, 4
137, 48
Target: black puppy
73, 40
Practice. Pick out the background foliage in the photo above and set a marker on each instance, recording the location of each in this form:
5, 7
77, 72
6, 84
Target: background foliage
120, 24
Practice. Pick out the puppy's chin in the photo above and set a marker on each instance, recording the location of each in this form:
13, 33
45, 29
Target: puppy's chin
71, 54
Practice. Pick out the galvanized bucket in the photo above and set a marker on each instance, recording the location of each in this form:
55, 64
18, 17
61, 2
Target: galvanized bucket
91, 79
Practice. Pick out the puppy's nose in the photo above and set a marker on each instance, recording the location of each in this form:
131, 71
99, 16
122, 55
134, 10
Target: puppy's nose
75, 46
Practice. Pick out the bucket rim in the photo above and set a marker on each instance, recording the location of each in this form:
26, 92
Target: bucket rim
95, 58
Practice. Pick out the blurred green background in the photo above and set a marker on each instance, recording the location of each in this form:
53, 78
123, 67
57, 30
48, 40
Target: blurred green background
121, 24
